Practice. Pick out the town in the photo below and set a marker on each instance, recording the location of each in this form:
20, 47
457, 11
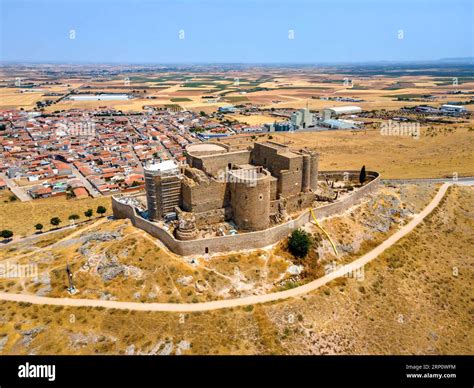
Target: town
92, 152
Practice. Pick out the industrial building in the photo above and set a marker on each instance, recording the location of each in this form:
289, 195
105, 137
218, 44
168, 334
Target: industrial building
453, 109
282, 126
227, 109
331, 122
329, 113
339, 124
302, 119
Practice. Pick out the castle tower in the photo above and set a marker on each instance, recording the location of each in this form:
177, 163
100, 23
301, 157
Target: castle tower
314, 163
250, 198
306, 182
163, 189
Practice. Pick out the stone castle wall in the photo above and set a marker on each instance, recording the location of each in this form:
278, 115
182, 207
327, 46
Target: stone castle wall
252, 240
287, 168
214, 216
213, 164
203, 197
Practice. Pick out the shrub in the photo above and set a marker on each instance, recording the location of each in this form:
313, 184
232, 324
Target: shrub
6, 233
362, 176
55, 221
101, 210
299, 243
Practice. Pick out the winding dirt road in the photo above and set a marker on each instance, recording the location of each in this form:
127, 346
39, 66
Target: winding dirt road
249, 300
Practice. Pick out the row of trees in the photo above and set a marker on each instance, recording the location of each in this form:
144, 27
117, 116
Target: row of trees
55, 221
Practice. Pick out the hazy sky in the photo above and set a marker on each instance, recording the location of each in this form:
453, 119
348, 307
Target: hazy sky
255, 31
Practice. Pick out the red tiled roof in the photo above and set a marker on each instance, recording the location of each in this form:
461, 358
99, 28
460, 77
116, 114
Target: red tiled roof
80, 192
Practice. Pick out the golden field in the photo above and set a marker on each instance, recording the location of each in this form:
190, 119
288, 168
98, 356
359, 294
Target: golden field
21, 217
267, 89
394, 157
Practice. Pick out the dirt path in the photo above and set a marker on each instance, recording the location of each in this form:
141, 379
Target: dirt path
249, 300
69, 236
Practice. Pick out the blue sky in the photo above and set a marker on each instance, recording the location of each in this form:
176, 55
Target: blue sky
236, 31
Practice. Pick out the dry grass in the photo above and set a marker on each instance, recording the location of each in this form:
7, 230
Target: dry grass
409, 303
21, 217
10, 98
253, 119
154, 274
392, 156
157, 275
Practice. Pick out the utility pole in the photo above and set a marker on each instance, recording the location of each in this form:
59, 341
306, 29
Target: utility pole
71, 289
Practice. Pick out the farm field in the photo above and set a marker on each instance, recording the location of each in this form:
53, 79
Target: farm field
253, 119
11, 99
273, 88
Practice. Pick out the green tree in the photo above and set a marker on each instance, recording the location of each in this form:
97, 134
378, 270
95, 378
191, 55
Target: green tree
362, 175
73, 217
299, 243
6, 233
55, 221
101, 210
39, 227
88, 213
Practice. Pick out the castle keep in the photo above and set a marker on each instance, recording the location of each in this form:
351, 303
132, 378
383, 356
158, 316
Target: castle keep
252, 188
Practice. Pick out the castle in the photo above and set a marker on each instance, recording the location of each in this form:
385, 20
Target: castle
254, 188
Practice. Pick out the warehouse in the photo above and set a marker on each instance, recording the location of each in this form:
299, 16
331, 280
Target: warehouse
453, 109
338, 124
340, 110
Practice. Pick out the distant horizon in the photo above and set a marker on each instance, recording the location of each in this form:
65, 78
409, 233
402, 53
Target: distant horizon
302, 32
446, 61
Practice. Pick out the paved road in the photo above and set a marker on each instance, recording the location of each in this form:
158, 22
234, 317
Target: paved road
92, 191
17, 190
250, 300
136, 158
464, 181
